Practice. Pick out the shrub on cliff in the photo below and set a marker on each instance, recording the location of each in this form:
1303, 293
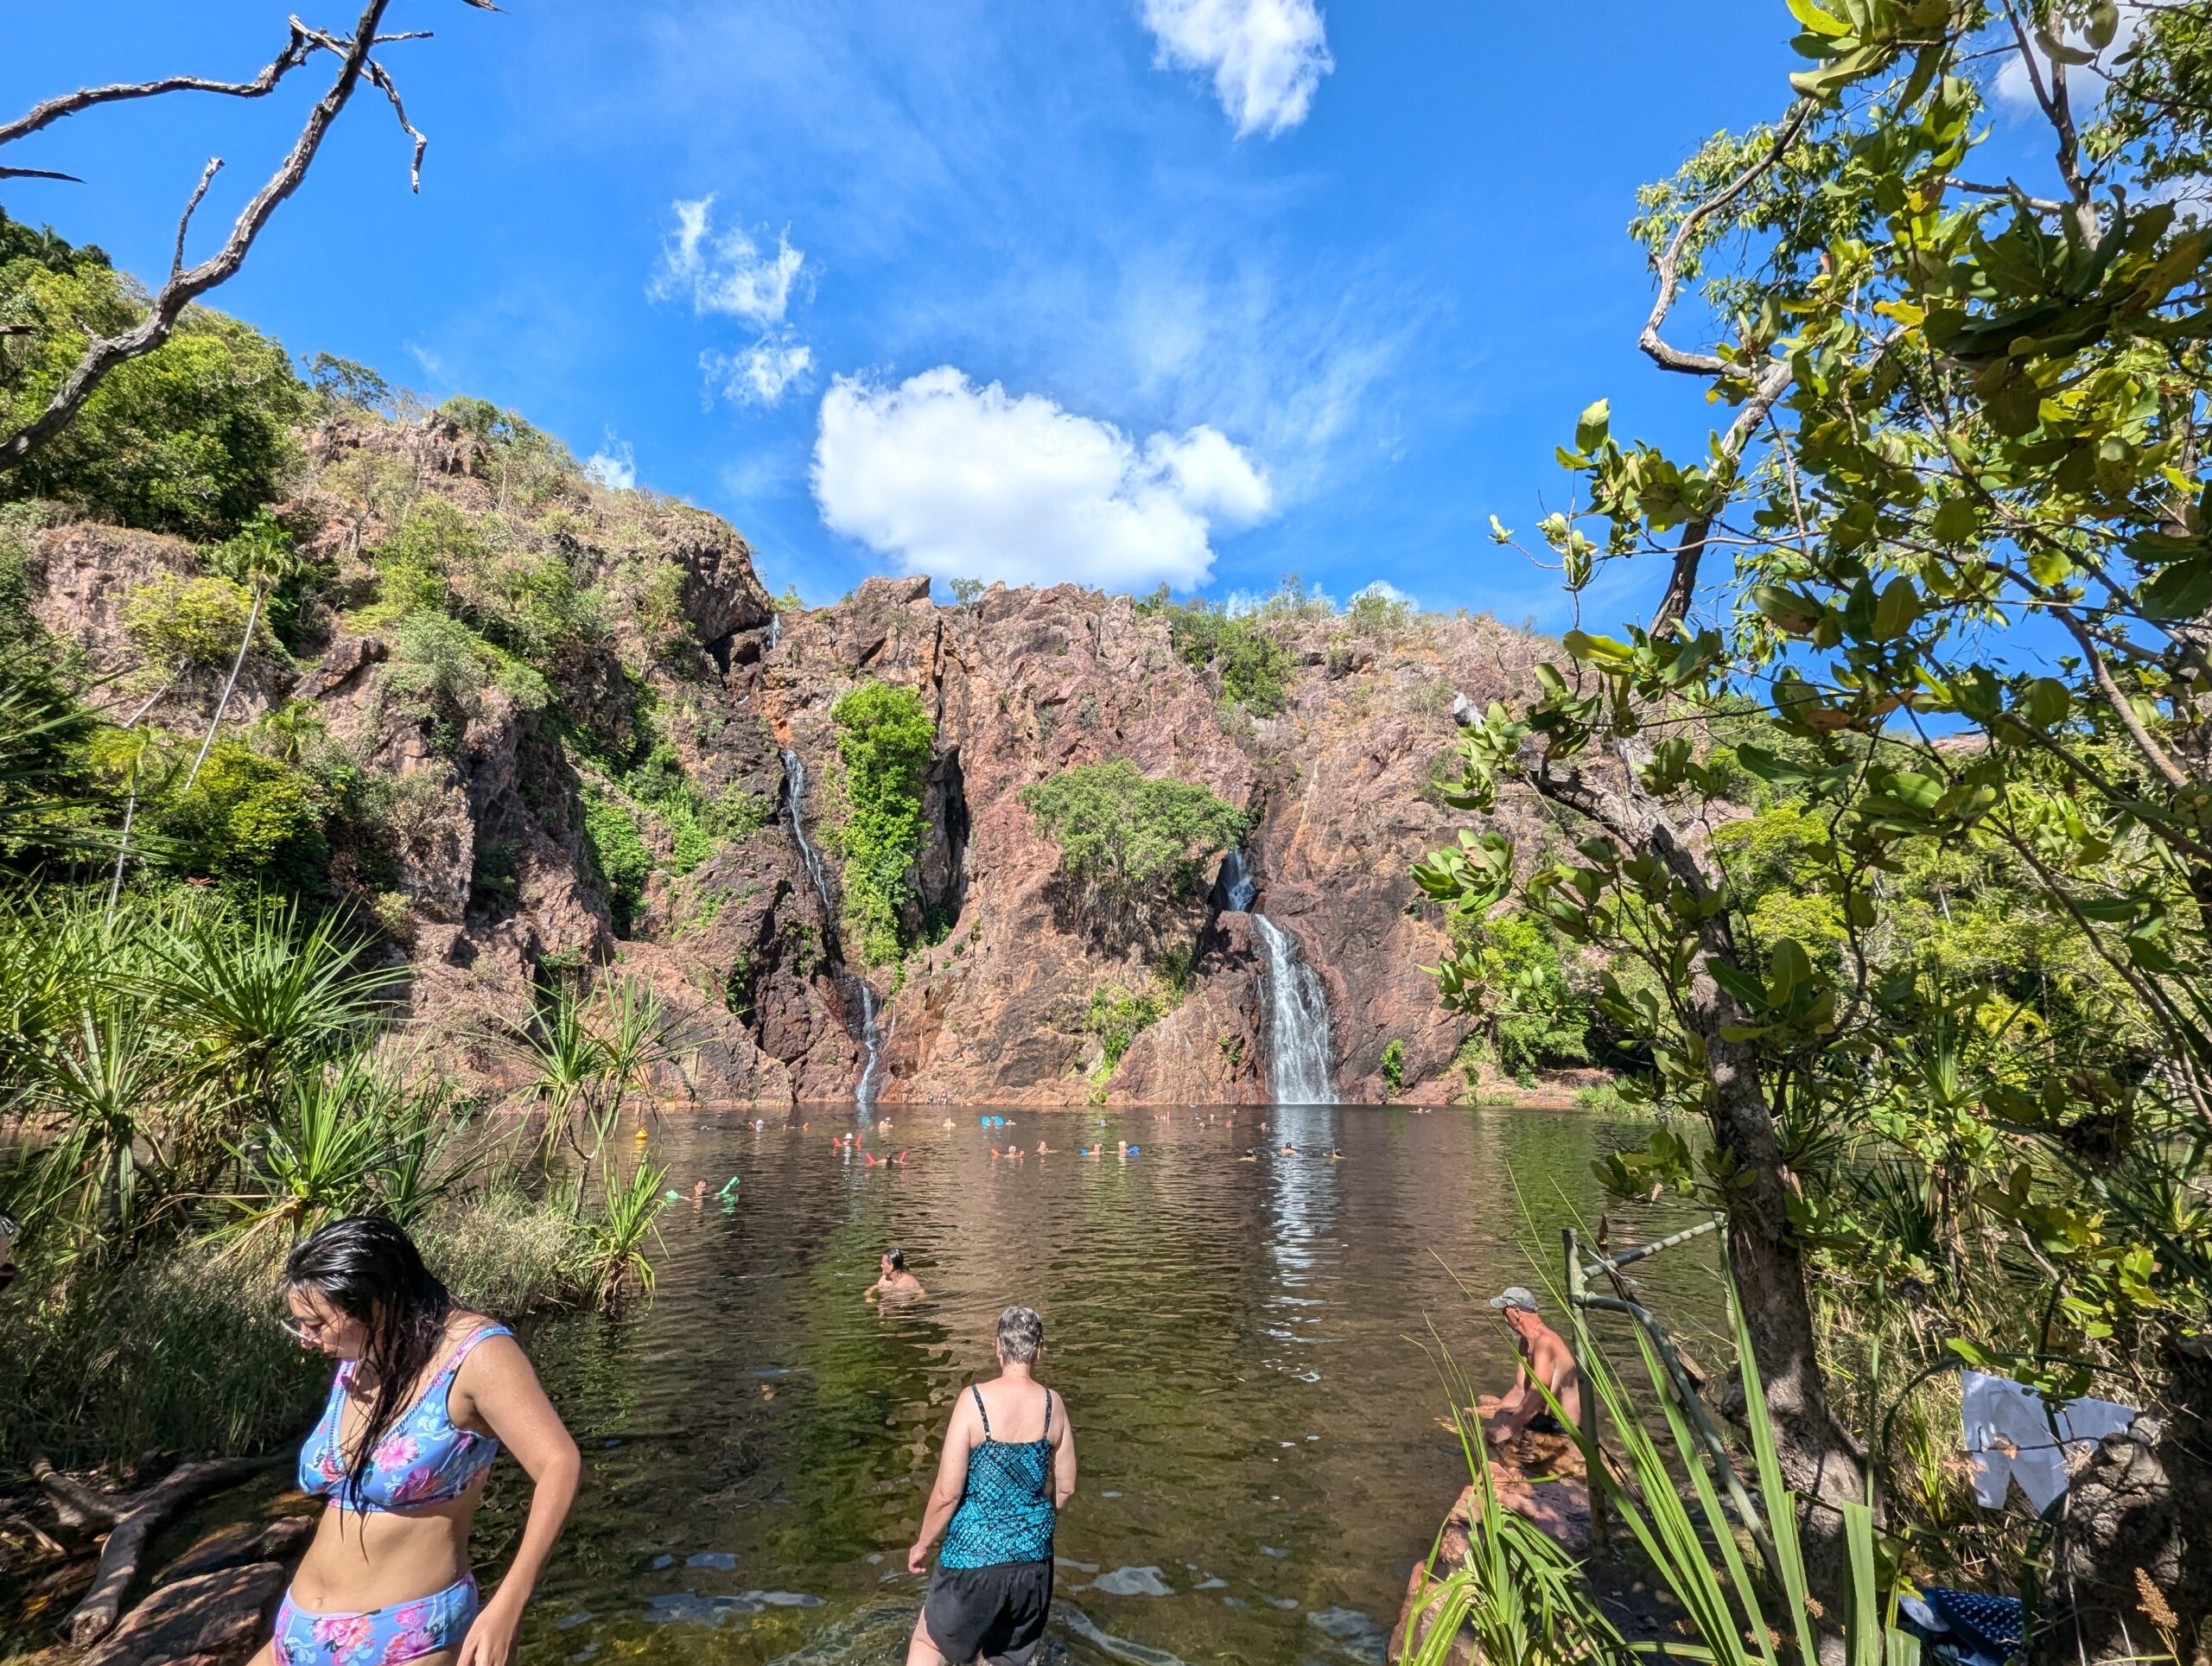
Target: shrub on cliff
883, 738
1130, 845
192, 438
1254, 668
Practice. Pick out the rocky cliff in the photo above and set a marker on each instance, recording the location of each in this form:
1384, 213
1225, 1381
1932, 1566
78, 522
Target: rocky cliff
495, 886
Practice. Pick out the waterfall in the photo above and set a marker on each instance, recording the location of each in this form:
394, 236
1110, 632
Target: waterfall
795, 795
775, 635
1237, 885
871, 1032
1297, 1029
1298, 1023
872, 1044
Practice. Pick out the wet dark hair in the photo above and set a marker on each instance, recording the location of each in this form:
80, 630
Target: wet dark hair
369, 1269
896, 1258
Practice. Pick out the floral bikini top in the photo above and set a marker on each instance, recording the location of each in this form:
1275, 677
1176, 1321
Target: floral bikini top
422, 1459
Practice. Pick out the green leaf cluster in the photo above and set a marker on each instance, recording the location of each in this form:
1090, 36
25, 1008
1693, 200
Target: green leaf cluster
885, 740
1131, 845
192, 438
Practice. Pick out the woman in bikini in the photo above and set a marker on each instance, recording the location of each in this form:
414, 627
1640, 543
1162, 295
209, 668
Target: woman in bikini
426, 1392
1008, 1470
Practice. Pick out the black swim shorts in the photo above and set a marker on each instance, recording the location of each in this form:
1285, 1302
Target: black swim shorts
998, 1613
1544, 1423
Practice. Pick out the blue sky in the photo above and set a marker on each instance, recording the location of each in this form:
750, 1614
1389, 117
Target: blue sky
1119, 290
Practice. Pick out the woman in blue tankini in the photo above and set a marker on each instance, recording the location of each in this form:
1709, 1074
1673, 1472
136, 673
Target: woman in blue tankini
1007, 1471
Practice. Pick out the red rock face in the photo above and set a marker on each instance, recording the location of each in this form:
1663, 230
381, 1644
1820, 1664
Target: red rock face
1022, 683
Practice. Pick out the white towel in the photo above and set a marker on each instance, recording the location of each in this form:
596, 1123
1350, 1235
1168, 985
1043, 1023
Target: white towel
2010, 1436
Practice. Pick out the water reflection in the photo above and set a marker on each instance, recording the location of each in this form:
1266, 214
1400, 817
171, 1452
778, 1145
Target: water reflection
1237, 1343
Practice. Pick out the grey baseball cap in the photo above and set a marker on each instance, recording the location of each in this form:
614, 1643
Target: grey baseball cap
1514, 1296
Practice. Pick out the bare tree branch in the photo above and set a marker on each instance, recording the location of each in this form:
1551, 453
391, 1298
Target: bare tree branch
2041, 204
185, 286
376, 74
1670, 264
184, 221
2115, 698
37, 173
295, 53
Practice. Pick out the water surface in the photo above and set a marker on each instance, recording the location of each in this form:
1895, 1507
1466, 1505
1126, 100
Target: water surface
1239, 1345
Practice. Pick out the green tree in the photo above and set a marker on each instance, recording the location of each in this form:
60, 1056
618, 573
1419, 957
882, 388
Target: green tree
1957, 406
885, 740
1131, 845
192, 438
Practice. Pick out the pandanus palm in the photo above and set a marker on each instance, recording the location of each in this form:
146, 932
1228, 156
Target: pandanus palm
261, 997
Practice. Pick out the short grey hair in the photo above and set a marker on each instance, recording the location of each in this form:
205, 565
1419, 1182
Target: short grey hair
1021, 1333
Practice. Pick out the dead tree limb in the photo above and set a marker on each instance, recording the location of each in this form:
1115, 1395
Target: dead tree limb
186, 285
131, 1519
45, 115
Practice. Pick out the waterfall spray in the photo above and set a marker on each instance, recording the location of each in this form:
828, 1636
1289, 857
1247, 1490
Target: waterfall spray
871, 1031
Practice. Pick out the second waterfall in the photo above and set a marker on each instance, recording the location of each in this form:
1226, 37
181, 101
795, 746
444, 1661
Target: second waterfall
1299, 1046
871, 1031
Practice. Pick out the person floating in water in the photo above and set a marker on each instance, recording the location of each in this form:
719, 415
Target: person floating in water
427, 1391
1044, 1150
896, 1284
1288, 1150
1006, 1471
1545, 1359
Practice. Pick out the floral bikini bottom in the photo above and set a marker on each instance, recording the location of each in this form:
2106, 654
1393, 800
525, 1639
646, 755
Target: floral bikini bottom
383, 1636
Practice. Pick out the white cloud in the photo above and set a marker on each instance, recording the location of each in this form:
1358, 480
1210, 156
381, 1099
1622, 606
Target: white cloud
949, 478
729, 274
614, 465
1266, 56
433, 367
759, 375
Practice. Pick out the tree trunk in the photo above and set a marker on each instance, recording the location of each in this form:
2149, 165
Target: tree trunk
2141, 1511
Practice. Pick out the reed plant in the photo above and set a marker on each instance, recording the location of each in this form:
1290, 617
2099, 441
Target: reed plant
1741, 1586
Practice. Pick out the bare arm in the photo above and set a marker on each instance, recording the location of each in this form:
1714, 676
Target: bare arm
951, 1482
497, 1389
1521, 1402
1063, 1460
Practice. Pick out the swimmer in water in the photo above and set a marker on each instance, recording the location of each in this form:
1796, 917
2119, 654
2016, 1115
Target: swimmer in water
1044, 1150
896, 1284
1251, 1154
1121, 1148
1288, 1150
1335, 1155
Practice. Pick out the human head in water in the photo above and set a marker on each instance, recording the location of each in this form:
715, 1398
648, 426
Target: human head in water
894, 1262
1021, 1336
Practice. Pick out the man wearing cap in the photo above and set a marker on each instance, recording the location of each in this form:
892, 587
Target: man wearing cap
1545, 1359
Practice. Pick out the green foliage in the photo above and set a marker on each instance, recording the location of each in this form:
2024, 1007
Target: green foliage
884, 737
342, 384
1507, 971
248, 819
1394, 1067
1255, 669
1116, 1015
967, 589
1131, 845
618, 854
189, 623
192, 438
